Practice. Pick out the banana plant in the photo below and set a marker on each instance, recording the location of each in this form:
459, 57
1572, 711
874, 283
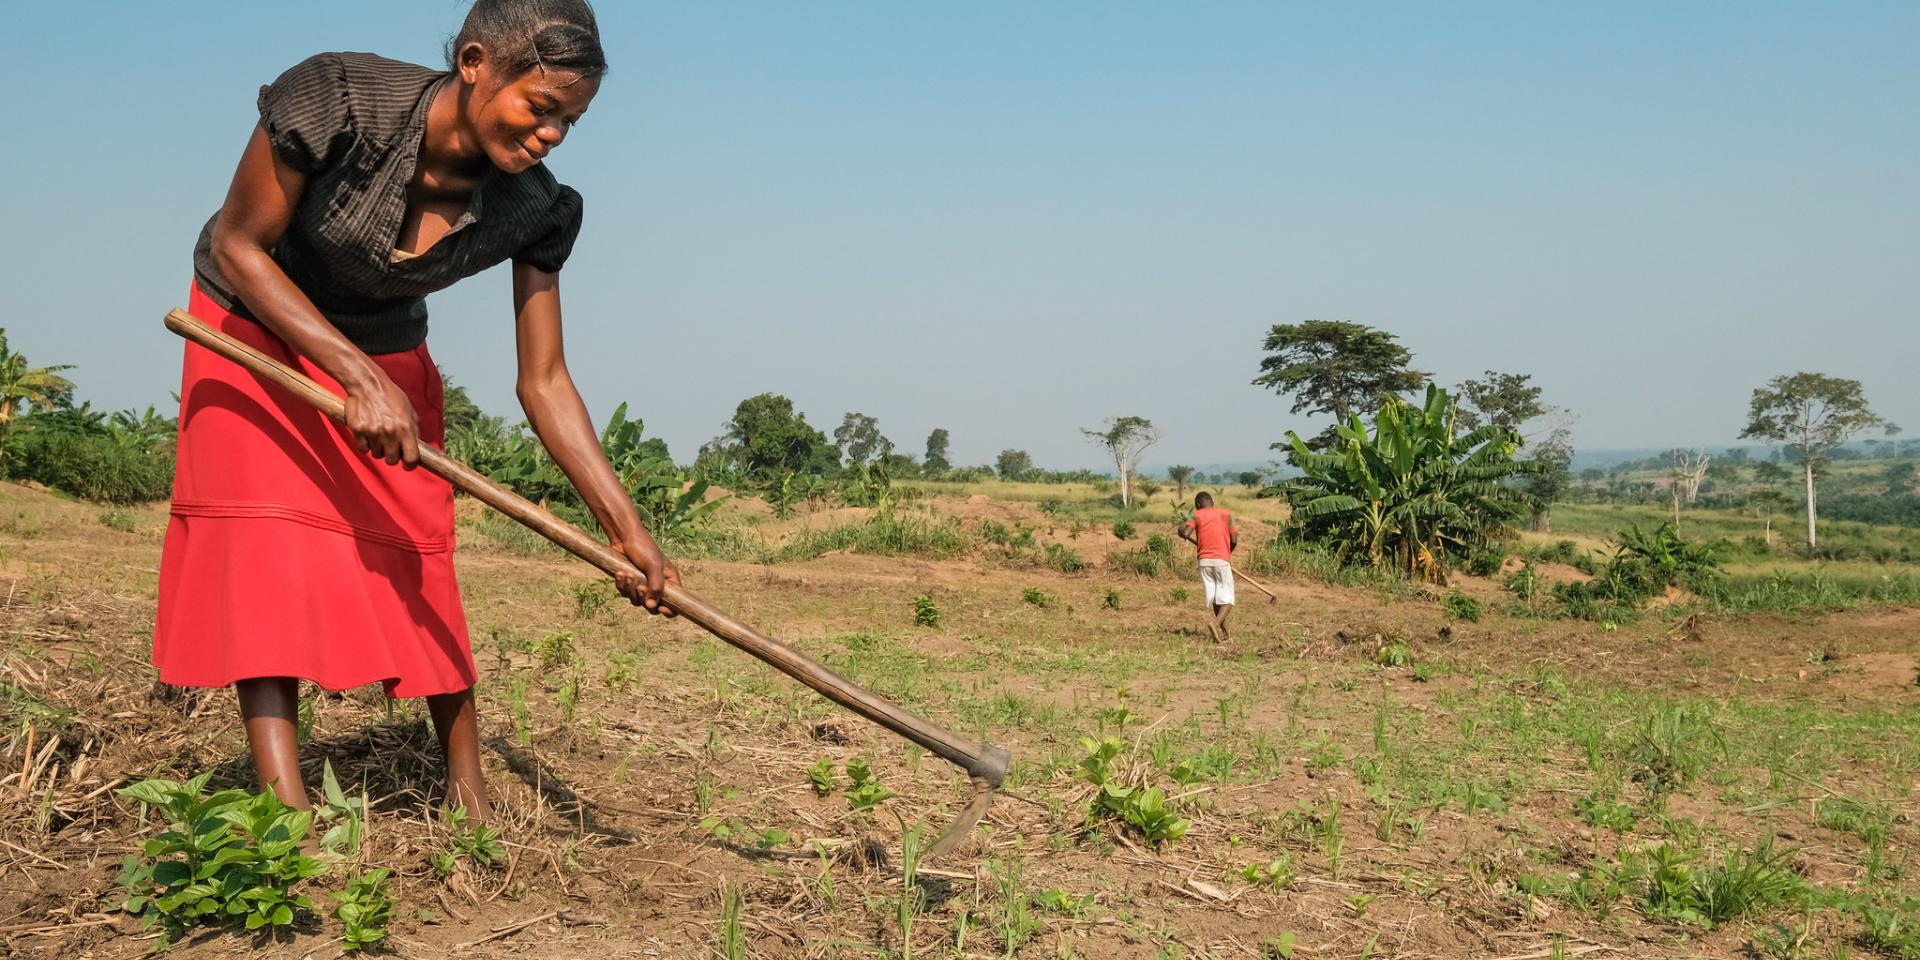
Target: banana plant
1409, 494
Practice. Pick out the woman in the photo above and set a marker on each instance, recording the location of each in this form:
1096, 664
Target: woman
298, 549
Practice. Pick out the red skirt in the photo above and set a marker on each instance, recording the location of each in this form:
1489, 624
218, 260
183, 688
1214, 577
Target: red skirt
291, 554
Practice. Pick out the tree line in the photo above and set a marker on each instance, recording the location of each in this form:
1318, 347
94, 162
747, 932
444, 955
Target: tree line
1494, 429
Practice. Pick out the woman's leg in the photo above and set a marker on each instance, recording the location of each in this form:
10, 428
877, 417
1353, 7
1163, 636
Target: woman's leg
269, 707
454, 724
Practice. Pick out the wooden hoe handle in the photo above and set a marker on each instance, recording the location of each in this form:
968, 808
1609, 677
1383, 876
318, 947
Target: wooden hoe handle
984, 762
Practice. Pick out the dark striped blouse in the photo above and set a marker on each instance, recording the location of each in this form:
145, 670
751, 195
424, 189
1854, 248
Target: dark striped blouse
352, 122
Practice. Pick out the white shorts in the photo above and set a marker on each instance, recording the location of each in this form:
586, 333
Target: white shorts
1217, 577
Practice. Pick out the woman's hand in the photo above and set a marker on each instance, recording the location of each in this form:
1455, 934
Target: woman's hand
383, 420
658, 571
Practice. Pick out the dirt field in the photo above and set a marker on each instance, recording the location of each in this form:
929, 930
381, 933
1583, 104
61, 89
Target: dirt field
1402, 784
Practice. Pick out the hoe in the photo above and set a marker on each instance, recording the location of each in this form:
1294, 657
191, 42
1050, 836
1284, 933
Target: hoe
984, 763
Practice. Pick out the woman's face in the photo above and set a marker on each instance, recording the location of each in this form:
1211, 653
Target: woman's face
519, 120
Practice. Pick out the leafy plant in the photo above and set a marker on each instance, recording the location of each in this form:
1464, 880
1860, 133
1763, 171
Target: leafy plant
1393, 653
1056, 900
1409, 494
1096, 767
1111, 600
1034, 596
1603, 811
229, 856
864, 791
1123, 529
350, 812
926, 613
475, 842
820, 776
365, 907
1145, 810
1275, 874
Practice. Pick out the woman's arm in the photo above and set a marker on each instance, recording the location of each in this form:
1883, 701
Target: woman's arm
260, 204
553, 406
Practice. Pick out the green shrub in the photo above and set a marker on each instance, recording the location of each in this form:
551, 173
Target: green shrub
1485, 563
1673, 746
885, 534
101, 467
1020, 536
1110, 601
1394, 653
119, 520
1524, 583
1461, 607
1064, 560
1034, 596
926, 613
1123, 529
1744, 883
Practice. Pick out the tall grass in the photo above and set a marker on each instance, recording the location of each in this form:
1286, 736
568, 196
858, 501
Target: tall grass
1816, 591
1839, 539
1289, 558
885, 534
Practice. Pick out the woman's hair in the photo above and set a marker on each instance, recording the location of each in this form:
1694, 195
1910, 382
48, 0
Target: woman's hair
523, 34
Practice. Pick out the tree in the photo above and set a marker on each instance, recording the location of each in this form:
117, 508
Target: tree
1013, 464
1899, 477
1548, 484
1336, 367
1126, 438
27, 386
1249, 479
1181, 476
458, 411
1810, 414
767, 441
936, 458
859, 439
1409, 494
1689, 466
1502, 399
1766, 500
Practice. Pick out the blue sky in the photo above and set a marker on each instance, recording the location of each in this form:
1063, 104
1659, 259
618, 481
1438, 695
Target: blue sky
1012, 220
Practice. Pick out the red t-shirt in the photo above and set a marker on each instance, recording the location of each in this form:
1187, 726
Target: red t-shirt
1214, 528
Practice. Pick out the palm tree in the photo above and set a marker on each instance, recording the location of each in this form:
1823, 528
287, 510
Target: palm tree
31, 386
1409, 493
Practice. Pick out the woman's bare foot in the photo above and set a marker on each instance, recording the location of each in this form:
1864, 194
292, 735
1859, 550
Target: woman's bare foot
459, 734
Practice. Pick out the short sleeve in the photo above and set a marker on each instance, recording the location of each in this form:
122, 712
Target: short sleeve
549, 251
305, 113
